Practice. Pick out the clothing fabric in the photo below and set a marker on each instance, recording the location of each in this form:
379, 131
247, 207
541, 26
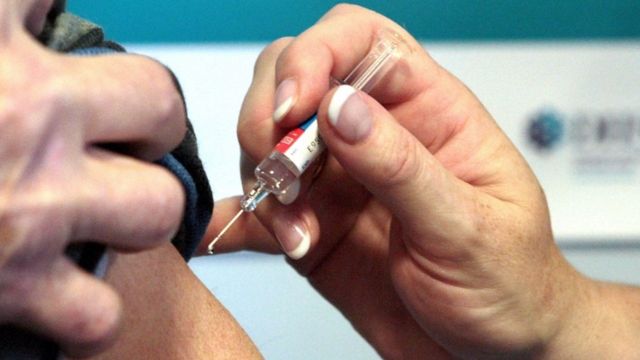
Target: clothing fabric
70, 34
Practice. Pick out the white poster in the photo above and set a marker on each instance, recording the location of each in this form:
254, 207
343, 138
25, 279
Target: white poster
573, 109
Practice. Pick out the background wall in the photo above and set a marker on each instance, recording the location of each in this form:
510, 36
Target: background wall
256, 20
561, 79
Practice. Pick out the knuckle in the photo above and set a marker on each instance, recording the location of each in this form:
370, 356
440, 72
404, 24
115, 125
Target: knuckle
53, 91
270, 52
170, 106
255, 134
170, 119
344, 8
167, 208
27, 108
245, 128
281, 43
92, 333
35, 223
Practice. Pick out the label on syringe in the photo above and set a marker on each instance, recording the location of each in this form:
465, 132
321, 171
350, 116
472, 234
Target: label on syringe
302, 145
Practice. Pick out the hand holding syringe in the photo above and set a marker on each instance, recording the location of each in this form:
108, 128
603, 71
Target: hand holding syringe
292, 156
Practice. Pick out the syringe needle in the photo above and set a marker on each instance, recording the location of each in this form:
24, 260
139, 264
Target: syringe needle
224, 230
292, 156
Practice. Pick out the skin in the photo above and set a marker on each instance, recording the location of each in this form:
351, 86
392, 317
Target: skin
169, 313
436, 225
58, 186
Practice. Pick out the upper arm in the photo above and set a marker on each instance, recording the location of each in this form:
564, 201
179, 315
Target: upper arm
169, 313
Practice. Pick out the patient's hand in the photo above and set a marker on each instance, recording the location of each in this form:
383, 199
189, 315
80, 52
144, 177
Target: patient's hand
58, 186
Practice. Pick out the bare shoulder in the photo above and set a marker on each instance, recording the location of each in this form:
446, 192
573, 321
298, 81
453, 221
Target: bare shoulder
169, 313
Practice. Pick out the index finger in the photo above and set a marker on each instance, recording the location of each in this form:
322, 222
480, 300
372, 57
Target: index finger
126, 99
331, 49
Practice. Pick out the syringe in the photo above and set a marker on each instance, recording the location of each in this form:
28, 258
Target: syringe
300, 147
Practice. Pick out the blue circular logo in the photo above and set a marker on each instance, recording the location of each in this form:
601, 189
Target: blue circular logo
546, 129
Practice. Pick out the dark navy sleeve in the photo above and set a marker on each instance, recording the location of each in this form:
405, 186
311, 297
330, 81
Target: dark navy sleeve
184, 162
83, 38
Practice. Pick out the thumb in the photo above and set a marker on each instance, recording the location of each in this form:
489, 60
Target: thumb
393, 164
247, 233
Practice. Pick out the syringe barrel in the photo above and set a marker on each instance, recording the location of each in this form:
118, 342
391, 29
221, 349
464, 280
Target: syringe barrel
275, 171
274, 174
303, 145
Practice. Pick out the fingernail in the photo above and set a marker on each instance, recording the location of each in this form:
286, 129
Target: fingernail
290, 194
293, 235
286, 96
349, 114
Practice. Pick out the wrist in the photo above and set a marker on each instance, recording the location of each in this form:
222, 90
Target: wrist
570, 325
602, 322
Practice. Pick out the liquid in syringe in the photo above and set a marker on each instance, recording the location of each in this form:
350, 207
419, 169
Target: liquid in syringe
293, 155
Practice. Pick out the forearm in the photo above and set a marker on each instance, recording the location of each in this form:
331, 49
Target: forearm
605, 323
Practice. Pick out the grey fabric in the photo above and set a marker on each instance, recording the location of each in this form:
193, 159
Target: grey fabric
68, 32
